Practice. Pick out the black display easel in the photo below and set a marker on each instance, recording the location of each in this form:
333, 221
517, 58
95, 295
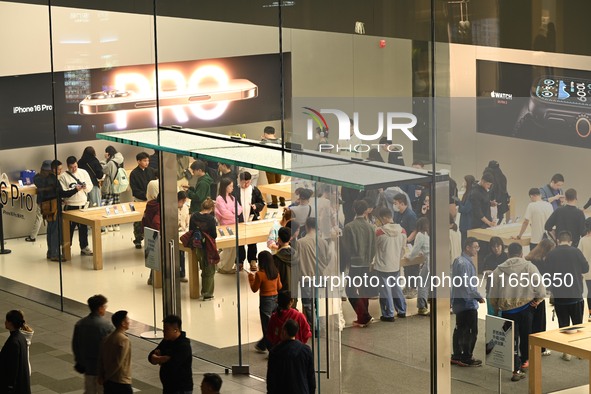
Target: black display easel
2, 250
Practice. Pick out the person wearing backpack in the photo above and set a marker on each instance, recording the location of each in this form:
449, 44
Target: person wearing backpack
110, 169
204, 220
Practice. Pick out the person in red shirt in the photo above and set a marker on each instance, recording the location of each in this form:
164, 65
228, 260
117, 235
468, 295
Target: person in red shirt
283, 313
267, 280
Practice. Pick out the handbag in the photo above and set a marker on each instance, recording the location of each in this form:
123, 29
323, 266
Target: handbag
211, 249
49, 210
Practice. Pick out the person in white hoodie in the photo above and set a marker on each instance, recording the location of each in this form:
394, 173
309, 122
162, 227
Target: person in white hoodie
517, 302
390, 248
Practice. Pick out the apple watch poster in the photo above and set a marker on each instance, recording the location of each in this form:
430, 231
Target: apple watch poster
545, 104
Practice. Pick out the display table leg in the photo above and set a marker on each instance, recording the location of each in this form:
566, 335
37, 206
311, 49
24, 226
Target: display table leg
66, 245
535, 368
157, 279
97, 245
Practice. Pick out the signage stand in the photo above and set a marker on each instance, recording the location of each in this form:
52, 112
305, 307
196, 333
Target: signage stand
499, 344
2, 250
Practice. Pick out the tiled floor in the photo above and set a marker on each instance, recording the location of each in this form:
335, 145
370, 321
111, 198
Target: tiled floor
52, 360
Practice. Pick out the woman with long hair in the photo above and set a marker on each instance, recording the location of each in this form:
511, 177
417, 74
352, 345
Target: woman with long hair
421, 247
465, 207
204, 220
227, 212
89, 163
14, 359
499, 195
266, 281
538, 257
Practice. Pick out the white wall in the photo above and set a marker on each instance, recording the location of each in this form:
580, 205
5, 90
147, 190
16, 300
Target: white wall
323, 64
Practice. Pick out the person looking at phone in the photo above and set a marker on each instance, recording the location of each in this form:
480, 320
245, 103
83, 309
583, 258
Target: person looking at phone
227, 212
201, 190
552, 192
78, 179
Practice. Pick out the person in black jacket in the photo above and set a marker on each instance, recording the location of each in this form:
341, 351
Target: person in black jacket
251, 208
566, 265
14, 359
91, 164
568, 218
291, 366
138, 180
175, 357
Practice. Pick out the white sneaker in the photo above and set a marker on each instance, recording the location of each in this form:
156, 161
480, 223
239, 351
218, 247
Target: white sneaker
566, 357
86, 251
116, 228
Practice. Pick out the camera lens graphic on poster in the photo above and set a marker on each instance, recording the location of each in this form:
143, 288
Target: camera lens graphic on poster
193, 94
545, 104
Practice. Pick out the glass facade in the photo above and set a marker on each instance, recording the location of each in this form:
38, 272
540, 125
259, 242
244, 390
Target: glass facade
365, 100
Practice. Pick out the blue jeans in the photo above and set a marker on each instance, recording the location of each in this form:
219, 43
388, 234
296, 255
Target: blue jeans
423, 288
391, 294
266, 307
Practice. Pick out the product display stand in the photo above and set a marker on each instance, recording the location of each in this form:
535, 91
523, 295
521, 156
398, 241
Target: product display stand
2, 250
153, 334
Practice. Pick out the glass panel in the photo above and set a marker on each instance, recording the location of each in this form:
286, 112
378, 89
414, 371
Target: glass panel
94, 53
27, 103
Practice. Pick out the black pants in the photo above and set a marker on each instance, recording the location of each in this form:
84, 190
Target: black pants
569, 314
523, 327
465, 334
539, 319
588, 283
411, 270
117, 388
82, 228
250, 254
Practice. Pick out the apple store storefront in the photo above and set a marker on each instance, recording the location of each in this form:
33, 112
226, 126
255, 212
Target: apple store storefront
316, 104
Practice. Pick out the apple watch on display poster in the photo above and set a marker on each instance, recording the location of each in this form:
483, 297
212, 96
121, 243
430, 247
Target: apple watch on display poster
558, 102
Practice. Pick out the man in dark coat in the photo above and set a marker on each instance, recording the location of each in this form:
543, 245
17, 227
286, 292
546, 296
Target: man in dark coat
291, 366
175, 358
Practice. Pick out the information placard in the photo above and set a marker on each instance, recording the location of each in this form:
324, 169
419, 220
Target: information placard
152, 248
499, 343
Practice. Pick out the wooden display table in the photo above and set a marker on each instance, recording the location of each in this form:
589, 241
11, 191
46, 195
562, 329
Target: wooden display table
97, 218
504, 231
282, 189
577, 344
248, 233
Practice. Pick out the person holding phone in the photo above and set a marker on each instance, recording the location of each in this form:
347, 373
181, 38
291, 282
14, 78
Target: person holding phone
227, 211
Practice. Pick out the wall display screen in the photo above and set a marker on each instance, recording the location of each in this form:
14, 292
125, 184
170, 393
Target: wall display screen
536, 103
195, 94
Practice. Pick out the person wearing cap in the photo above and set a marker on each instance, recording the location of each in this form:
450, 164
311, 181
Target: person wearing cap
47, 190
269, 137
